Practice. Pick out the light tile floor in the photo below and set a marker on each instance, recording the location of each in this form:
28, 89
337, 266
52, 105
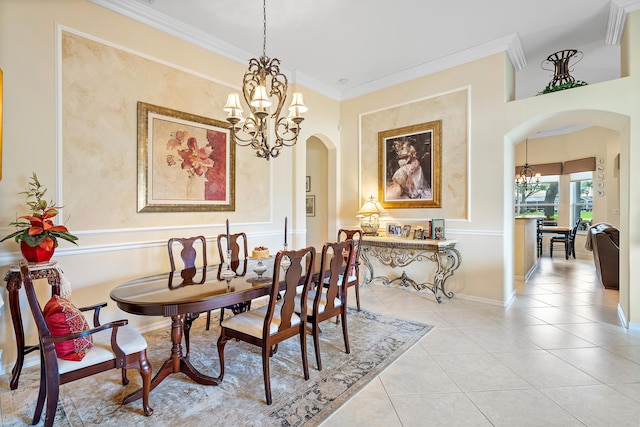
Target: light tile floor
557, 356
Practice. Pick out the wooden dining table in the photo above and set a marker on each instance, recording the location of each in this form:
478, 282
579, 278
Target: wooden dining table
187, 292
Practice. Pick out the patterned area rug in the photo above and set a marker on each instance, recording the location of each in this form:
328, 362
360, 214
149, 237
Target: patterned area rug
376, 341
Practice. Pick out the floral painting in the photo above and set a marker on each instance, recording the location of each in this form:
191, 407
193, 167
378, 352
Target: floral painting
409, 166
185, 162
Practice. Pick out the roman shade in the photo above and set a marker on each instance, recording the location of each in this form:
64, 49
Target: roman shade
580, 165
543, 169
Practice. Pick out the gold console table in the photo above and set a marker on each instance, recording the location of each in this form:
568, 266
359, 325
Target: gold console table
397, 252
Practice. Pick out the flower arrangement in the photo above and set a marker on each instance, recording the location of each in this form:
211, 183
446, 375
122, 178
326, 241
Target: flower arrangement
38, 230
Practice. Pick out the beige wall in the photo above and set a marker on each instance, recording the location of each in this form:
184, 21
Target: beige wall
317, 169
113, 250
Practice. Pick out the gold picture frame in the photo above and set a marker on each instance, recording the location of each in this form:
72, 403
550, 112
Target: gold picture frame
409, 166
186, 163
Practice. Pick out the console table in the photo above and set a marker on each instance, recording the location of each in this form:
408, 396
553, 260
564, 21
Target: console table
397, 252
59, 286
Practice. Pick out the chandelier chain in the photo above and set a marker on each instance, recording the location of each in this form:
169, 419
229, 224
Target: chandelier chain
264, 28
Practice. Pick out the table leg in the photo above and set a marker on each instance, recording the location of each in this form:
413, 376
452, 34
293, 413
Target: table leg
176, 363
567, 247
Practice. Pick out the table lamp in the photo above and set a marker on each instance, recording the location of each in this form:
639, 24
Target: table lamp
368, 214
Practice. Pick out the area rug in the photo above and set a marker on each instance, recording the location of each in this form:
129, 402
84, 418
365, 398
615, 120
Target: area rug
376, 341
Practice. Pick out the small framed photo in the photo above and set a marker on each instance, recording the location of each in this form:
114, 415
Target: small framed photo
406, 230
311, 205
437, 229
418, 233
391, 229
308, 184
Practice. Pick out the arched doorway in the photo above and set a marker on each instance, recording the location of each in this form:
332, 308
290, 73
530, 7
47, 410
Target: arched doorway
605, 119
320, 195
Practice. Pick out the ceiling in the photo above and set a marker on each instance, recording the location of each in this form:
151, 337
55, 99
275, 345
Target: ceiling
345, 48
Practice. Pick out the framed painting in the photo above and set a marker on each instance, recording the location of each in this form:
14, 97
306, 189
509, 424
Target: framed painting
308, 184
186, 163
437, 229
311, 205
409, 166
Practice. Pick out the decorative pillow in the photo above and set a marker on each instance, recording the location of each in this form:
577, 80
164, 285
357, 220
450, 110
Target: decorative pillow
64, 318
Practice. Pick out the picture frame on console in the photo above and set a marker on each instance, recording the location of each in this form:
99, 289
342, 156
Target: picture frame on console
170, 177
406, 230
409, 166
437, 229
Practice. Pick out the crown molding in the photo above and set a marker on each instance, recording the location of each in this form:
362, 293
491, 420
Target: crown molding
509, 44
618, 11
141, 12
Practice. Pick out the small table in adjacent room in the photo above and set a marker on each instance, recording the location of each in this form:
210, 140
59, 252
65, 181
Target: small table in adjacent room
562, 231
396, 252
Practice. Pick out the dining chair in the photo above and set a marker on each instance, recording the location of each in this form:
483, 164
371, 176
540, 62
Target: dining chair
539, 235
568, 240
239, 253
276, 321
354, 262
71, 350
328, 301
189, 255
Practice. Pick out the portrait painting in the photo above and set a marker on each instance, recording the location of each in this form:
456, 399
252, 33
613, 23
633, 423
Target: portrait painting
185, 162
409, 166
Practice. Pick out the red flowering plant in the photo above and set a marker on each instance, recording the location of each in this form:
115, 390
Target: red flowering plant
38, 229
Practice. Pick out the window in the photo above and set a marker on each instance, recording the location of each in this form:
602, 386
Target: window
542, 199
582, 199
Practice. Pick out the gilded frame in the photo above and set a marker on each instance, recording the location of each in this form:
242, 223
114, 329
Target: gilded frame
186, 163
409, 163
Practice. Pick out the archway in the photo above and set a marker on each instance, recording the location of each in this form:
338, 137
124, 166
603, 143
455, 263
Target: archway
605, 119
321, 195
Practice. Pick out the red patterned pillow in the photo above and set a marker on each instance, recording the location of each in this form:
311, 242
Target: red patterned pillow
64, 318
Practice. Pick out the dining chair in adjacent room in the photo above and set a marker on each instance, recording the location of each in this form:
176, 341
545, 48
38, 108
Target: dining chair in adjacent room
354, 263
329, 301
71, 350
568, 240
539, 236
276, 321
189, 255
239, 253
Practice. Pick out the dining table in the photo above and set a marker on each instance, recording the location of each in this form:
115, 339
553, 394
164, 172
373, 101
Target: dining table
565, 231
185, 292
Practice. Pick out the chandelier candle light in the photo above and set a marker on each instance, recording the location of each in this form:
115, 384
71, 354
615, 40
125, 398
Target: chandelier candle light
263, 81
528, 178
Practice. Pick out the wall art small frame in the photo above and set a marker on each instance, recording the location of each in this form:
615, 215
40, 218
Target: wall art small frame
409, 166
308, 184
310, 205
186, 163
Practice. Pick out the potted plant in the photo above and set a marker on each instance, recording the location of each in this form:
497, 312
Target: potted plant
37, 235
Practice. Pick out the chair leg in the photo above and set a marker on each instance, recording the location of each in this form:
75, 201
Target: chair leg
303, 352
187, 328
53, 392
266, 373
221, 315
42, 392
125, 380
315, 332
145, 373
208, 319
357, 285
345, 333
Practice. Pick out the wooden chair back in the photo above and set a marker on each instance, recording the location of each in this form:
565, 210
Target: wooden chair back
333, 261
239, 251
55, 372
300, 270
188, 252
354, 265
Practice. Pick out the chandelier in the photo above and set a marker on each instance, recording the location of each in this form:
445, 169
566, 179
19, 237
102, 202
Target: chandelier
262, 83
527, 178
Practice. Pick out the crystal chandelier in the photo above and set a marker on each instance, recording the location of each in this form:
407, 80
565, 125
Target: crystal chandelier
263, 82
527, 178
